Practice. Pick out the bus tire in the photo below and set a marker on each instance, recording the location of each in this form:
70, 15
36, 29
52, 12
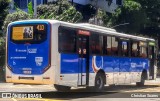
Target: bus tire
62, 88
99, 82
143, 78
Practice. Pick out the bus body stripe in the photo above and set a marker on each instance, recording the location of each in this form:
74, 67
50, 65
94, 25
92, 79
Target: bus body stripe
70, 64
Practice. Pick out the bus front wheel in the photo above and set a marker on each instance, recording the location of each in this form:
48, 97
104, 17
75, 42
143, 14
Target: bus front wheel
62, 88
99, 82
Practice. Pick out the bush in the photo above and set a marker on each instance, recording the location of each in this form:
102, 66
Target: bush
70, 15
61, 10
2, 59
4, 6
18, 15
55, 8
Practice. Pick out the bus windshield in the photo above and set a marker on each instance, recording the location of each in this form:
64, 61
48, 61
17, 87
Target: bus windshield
35, 33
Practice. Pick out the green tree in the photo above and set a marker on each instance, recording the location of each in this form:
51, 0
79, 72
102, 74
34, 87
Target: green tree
4, 6
16, 16
143, 17
70, 15
132, 13
152, 10
60, 10
106, 18
30, 9
55, 8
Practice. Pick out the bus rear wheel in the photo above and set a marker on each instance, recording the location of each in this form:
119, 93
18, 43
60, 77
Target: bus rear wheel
143, 78
99, 82
62, 88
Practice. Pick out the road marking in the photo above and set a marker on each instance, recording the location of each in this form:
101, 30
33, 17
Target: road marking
14, 99
37, 99
28, 99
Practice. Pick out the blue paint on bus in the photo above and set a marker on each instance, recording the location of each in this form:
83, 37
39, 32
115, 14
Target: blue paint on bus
30, 59
72, 64
69, 63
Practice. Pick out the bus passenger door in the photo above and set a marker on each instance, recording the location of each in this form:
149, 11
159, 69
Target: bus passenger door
83, 51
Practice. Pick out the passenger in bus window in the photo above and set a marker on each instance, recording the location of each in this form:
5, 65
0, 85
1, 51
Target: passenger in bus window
30, 33
84, 51
79, 51
25, 34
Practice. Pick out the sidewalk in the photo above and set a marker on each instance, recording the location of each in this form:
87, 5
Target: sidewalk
153, 82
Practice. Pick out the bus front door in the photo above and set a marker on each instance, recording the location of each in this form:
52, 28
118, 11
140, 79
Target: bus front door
83, 68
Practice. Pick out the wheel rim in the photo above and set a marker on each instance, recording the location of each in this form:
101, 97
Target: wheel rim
99, 83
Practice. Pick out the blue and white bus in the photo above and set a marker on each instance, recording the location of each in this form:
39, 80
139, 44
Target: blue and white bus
76, 55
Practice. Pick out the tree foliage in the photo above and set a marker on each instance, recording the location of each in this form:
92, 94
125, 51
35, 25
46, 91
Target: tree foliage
70, 15
152, 10
143, 17
16, 16
4, 6
30, 9
131, 14
60, 10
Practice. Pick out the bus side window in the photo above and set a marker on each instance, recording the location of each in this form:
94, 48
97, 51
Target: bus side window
143, 49
114, 47
125, 48
66, 40
96, 44
109, 44
134, 51
150, 52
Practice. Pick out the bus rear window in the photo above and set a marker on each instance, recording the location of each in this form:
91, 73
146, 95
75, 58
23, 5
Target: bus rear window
34, 33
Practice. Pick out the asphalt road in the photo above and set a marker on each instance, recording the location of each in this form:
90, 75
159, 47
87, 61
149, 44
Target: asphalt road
111, 93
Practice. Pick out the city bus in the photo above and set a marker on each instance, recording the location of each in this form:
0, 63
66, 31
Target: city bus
76, 55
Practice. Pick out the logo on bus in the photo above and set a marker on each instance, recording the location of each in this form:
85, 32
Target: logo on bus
94, 65
32, 50
141, 64
21, 50
38, 61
